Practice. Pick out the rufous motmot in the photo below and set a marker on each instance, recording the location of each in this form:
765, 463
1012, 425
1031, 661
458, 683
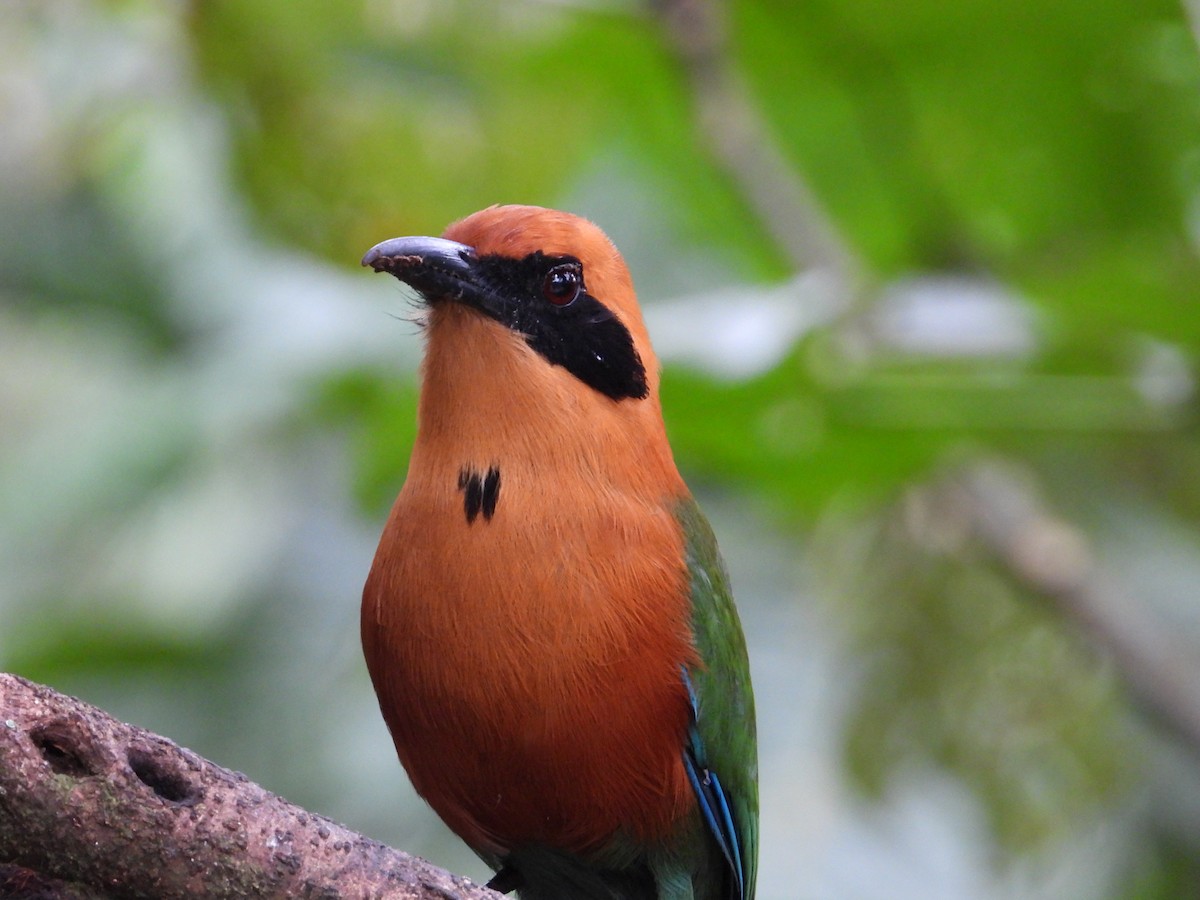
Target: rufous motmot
548, 623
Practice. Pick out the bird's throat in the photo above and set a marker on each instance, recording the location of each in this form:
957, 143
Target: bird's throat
550, 427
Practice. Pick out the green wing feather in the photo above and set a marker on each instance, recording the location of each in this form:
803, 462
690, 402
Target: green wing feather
725, 701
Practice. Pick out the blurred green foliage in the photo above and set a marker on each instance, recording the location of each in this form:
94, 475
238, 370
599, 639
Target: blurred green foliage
1048, 152
346, 110
981, 678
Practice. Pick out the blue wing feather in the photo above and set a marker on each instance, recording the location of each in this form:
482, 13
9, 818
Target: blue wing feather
711, 798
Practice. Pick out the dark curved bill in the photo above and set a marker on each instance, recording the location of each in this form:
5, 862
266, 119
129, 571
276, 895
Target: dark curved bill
434, 266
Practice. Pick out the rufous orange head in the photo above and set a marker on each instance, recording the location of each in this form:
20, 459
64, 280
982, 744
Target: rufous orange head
534, 336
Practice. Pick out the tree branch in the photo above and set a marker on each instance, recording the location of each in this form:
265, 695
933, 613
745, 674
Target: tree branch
113, 810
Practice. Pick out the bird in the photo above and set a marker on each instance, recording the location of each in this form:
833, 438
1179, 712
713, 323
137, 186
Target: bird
548, 624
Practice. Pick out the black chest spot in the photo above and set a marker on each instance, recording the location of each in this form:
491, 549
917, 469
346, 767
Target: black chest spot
481, 493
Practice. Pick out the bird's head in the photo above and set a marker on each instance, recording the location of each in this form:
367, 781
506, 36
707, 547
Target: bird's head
550, 279
535, 349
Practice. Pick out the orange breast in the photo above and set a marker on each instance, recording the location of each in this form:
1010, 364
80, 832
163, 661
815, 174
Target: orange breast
528, 666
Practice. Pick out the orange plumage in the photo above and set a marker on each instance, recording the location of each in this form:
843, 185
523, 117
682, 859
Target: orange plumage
548, 624
529, 666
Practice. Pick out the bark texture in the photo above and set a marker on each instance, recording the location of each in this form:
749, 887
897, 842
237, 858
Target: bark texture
92, 807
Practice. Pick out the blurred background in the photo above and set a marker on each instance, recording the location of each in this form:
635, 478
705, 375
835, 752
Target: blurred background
924, 279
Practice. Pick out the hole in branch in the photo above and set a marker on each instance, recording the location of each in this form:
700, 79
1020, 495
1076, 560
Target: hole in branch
60, 750
158, 774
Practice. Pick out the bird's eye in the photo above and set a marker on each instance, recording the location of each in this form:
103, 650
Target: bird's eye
563, 284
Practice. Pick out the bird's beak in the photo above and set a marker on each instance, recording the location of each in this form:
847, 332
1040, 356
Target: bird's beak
438, 268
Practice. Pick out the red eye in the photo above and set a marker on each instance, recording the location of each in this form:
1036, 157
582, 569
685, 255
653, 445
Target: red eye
563, 284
